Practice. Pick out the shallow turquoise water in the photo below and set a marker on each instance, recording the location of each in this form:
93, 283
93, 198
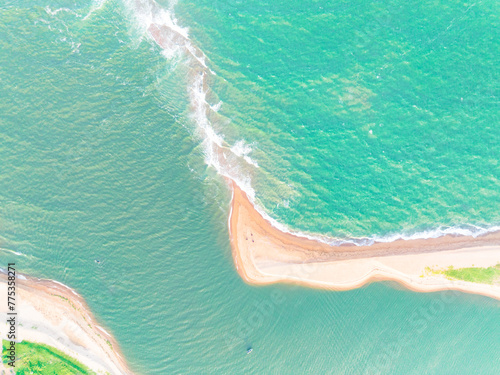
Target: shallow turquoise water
366, 118
101, 159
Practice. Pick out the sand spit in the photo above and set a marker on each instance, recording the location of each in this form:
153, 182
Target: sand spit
263, 254
51, 313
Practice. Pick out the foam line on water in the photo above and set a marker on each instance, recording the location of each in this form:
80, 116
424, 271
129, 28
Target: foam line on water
160, 26
462, 230
96, 5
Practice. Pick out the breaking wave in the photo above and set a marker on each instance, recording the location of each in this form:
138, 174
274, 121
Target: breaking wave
159, 26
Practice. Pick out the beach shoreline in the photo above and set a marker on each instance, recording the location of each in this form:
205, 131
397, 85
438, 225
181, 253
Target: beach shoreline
263, 255
51, 313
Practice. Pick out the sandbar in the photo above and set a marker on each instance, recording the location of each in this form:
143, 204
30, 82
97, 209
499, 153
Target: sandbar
52, 313
264, 254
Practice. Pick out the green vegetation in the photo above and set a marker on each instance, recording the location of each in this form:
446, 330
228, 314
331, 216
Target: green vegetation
33, 358
480, 275
475, 274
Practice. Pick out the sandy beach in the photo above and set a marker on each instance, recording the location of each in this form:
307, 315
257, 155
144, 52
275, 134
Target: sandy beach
53, 314
263, 254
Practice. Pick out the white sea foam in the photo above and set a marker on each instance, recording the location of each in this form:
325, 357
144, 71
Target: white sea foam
96, 5
54, 12
13, 252
216, 107
148, 12
229, 160
171, 53
66, 287
242, 149
463, 230
103, 330
18, 275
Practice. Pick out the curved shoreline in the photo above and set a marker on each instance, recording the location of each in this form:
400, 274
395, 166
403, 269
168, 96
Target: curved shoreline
54, 314
283, 256
263, 255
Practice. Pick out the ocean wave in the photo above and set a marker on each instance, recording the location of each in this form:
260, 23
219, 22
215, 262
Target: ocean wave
469, 230
96, 5
52, 12
160, 26
13, 252
242, 149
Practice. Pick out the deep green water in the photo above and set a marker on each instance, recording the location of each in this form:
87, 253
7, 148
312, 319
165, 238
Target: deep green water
102, 158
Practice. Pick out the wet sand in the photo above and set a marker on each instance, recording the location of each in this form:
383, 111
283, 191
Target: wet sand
263, 254
53, 314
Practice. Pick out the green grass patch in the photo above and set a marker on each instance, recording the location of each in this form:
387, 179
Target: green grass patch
475, 274
488, 275
34, 358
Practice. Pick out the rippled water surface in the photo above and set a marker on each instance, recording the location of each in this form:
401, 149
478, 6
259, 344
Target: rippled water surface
345, 119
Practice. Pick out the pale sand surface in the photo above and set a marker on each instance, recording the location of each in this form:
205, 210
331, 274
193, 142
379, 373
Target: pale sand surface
53, 314
263, 254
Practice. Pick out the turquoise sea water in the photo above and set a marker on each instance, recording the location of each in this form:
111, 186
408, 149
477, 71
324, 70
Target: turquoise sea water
364, 119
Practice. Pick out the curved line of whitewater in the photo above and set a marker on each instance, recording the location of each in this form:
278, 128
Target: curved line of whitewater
161, 26
264, 255
472, 231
